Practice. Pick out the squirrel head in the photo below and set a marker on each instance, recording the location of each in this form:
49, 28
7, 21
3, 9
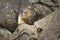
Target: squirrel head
24, 16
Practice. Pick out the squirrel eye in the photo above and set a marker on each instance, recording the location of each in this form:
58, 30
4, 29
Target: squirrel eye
25, 12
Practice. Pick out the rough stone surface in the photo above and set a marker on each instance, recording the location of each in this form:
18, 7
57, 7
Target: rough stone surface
4, 34
26, 31
42, 9
8, 14
50, 2
46, 28
52, 32
46, 21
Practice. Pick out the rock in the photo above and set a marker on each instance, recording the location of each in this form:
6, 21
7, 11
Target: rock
42, 9
8, 14
44, 22
24, 31
59, 2
50, 25
50, 2
4, 34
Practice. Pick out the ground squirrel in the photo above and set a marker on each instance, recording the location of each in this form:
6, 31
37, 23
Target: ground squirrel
25, 13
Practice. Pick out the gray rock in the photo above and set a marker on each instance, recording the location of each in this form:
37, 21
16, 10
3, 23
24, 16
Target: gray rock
50, 25
42, 9
50, 2
59, 2
24, 32
4, 34
8, 15
46, 21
